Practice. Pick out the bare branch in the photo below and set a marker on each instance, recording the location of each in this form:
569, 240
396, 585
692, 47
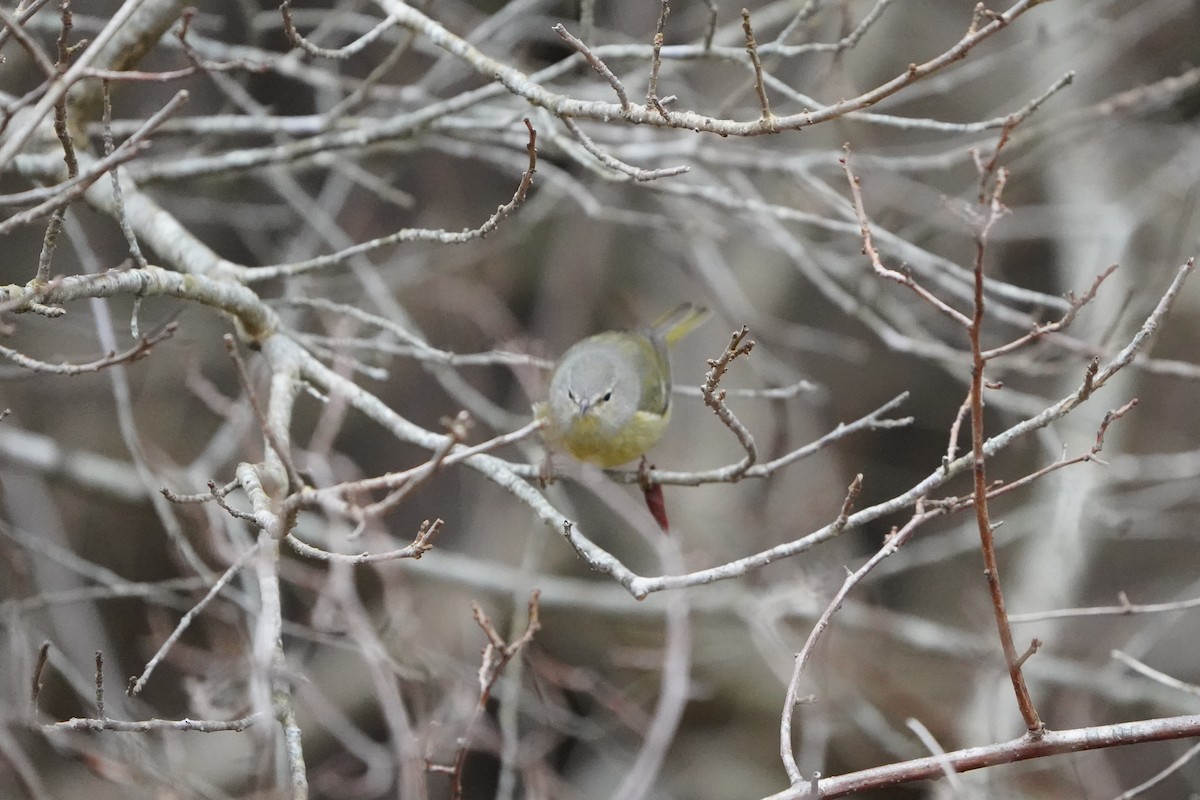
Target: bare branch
1015, 750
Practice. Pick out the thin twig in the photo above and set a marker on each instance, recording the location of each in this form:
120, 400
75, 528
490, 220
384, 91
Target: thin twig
328, 496
457, 428
759, 87
254, 274
1162, 775
955, 428
496, 655
1155, 675
893, 542
714, 398
138, 351
35, 681
999, 488
873, 421
1076, 303
217, 496
902, 278
135, 249
151, 725
596, 63
1124, 609
138, 682
344, 52
421, 545
213, 492
608, 160
656, 61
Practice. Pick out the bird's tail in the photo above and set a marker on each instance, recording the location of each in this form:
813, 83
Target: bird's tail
678, 322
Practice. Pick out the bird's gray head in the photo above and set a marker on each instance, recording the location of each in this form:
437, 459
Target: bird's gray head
597, 381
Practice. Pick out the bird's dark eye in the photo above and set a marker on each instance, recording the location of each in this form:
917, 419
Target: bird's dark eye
571, 396
607, 396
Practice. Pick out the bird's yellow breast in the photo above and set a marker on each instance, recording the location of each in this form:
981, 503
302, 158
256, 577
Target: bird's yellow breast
588, 440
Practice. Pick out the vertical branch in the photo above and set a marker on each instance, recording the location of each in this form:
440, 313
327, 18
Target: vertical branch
270, 662
35, 681
62, 131
135, 249
100, 684
272, 434
759, 87
496, 655
792, 696
587, 20
991, 570
711, 30
656, 61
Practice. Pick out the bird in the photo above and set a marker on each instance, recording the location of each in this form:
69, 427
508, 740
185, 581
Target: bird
609, 399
